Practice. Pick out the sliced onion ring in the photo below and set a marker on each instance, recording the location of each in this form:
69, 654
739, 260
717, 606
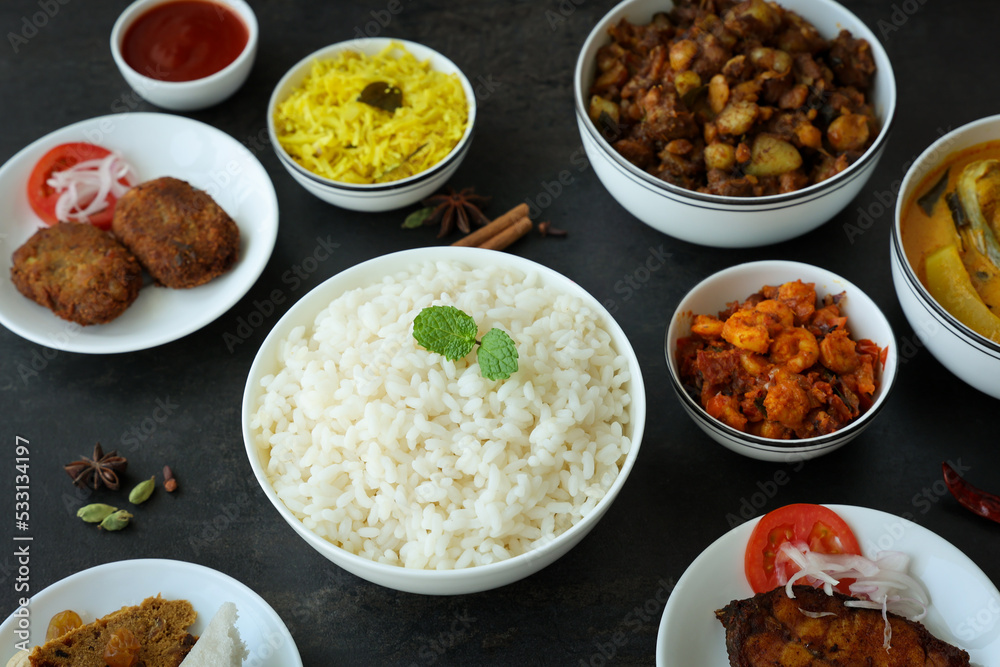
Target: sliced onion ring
84, 188
881, 584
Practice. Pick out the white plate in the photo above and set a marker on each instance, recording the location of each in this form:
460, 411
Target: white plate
155, 144
965, 605
106, 588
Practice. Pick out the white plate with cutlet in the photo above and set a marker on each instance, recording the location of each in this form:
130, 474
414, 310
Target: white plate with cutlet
155, 145
100, 590
964, 604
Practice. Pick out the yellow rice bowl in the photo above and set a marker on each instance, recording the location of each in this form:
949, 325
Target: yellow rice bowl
324, 127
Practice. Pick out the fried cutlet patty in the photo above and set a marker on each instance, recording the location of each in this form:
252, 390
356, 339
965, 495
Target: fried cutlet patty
78, 271
179, 234
772, 629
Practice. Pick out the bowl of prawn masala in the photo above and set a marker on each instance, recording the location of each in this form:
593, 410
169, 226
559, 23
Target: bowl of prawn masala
780, 360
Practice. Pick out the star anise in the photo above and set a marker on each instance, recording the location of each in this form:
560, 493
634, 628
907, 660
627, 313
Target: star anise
102, 469
456, 208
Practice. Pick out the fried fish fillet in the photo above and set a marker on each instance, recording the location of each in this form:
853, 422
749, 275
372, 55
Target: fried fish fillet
771, 629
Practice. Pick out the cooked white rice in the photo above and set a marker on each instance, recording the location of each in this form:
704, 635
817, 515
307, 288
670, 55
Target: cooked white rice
398, 455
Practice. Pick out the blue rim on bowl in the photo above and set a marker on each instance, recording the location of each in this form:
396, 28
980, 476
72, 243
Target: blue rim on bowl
371, 45
583, 74
956, 327
970, 356
926, 161
368, 189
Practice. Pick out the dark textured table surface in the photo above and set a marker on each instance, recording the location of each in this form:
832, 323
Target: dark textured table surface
179, 403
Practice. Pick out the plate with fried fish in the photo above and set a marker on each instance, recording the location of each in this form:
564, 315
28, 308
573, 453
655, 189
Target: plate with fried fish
964, 609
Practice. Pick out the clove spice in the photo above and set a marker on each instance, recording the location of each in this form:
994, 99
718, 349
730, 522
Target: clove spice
545, 228
169, 482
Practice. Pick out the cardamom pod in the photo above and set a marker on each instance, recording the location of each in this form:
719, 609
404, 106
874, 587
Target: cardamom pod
116, 520
95, 512
142, 491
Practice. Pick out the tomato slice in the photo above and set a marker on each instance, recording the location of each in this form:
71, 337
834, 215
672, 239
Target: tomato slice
819, 527
43, 197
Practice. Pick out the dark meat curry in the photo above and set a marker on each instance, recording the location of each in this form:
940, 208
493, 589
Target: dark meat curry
734, 98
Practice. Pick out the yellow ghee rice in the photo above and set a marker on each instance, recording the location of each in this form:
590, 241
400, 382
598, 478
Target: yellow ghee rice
324, 127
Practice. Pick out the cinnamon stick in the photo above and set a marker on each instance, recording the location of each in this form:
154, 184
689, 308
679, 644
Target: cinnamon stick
481, 235
500, 241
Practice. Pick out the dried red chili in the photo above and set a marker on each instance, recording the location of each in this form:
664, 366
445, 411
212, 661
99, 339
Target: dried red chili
981, 502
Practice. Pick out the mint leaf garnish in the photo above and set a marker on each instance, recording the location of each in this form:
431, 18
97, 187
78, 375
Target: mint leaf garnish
451, 332
497, 355
445, 330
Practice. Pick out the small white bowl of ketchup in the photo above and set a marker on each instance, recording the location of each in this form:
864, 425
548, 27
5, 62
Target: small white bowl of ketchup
184, 55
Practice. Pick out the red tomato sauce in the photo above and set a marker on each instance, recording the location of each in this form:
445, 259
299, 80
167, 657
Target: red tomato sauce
184, 40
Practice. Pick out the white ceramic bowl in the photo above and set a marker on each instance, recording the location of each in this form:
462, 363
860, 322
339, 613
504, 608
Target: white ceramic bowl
438, 582
187, 95
722, 221
710, 296
376, 196
973, 358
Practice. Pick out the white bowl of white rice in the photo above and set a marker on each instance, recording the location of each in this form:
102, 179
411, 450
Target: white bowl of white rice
417, 473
